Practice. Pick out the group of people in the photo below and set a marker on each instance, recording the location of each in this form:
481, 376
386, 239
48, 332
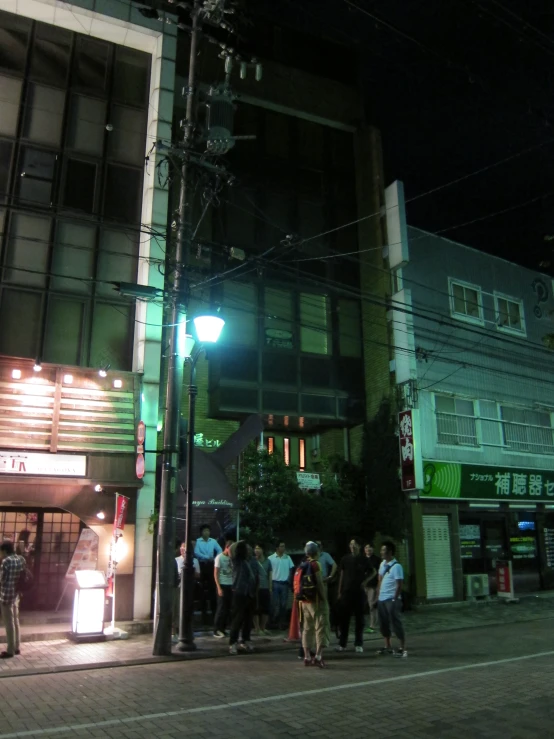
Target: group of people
247, 590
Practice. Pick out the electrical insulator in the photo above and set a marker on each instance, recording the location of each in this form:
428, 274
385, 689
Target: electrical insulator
239, 254
243, 70
259, 71
220, 120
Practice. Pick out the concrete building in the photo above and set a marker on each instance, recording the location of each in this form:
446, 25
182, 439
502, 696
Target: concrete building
472, 337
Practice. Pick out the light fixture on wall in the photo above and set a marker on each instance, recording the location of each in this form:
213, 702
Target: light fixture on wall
16, 374
101, 514
68, 379
37, 367
103, 371
98, 488
118, 383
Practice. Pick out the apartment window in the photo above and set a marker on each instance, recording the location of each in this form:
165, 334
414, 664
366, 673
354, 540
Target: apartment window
350, 329
270, 444
527, 430
278, 318
302, 453
455, 421
466, 302
240, 301
509, 314
286, 450
315, 323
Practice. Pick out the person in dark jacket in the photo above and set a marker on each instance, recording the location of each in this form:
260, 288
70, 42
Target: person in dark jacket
245, 586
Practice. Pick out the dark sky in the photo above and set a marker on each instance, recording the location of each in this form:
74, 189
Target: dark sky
456, 86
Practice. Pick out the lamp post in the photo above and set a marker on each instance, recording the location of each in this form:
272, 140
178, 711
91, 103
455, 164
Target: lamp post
208, 330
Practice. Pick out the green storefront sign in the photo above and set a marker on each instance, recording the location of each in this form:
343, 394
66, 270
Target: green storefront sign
472, 482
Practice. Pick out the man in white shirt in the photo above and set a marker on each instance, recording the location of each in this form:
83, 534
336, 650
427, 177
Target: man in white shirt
223, 576
206, 550
389, 600
282, 568
180, 563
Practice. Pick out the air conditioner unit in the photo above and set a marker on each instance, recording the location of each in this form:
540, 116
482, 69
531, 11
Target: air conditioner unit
477, 586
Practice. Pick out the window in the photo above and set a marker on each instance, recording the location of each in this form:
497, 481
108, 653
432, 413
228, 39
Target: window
270, 444
117, 260
5, 163
27, 249
123, 194
87, 121
465, 302
64, 331
80, 185
50, 57
73, 256
132, 72
36, 176
241, 313
509, 314
14, 35
91, 64
111, 336
455, 421
314, 324
278, 318
20, 311
302, 453
127, 141
10, 92
286, 450
527, 430
350, 329
44, 115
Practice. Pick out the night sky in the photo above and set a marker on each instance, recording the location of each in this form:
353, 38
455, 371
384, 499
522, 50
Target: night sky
456, 86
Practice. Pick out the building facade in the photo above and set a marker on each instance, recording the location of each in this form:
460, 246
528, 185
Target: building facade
472, 338
87, 87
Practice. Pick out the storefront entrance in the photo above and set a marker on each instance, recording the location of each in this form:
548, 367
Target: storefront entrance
488, 536
47, 538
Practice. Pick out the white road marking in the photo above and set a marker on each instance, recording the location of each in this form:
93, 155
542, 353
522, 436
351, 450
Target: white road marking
269, 699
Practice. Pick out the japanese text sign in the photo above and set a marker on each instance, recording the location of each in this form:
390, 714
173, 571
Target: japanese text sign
411, 466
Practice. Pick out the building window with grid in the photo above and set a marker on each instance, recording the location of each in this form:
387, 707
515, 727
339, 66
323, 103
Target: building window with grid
72, 148
466, 302
527, 430
456, 422
509, 314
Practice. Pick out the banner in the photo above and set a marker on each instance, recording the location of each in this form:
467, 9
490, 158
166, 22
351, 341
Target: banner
85, 556
411, 473
472, 482
121, 506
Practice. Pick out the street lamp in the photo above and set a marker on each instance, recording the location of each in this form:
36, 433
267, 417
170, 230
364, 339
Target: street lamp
208, 330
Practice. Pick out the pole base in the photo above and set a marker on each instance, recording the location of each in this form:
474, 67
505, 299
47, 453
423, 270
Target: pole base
186, 646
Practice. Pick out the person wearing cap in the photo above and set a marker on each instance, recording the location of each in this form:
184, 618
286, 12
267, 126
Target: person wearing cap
315, 611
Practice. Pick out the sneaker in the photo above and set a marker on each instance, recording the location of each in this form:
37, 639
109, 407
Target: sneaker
359, 650
340, 649
384, 651
5, 655
403, 653
219, 634
320, 663
233, 649
247, 646
369, 630
308, 662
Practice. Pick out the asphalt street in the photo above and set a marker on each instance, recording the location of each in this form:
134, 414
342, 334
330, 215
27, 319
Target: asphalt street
493, 681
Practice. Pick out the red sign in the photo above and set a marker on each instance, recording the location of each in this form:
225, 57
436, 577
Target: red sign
504, 579
139, 467
141, 432
121, 505
407, 451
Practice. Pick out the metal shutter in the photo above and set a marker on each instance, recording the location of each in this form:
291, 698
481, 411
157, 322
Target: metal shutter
438, 557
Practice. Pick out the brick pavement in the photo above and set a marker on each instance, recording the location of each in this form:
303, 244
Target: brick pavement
62, 654
454, 685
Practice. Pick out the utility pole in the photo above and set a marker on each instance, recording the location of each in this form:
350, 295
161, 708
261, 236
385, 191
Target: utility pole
217, 139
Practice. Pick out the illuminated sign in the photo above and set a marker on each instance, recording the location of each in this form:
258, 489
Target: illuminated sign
56, 465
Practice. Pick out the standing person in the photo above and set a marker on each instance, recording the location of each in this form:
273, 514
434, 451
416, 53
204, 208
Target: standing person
391, 580
179, 564
282, 568
206, 550
12, 566
371, 587
354, 575
315, 608
245, 585
223, 576
264, 591
328, 564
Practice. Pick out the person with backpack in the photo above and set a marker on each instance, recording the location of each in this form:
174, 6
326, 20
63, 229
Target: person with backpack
389, 603
245, 586
311, 594
13, 566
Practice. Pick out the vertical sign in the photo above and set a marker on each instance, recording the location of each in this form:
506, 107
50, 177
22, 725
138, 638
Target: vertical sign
141, 434
121, 505
504, 579
411, 463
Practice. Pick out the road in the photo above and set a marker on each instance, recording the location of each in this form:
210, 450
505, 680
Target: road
483, 682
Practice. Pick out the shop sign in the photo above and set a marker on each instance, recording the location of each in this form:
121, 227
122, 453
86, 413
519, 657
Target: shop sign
549, 546
308, 480
56, 465
472, 482
504, 579
470, 541
279, 338
410, 454
523, 547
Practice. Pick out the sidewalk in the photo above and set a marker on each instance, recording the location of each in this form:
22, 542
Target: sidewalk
60, 654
